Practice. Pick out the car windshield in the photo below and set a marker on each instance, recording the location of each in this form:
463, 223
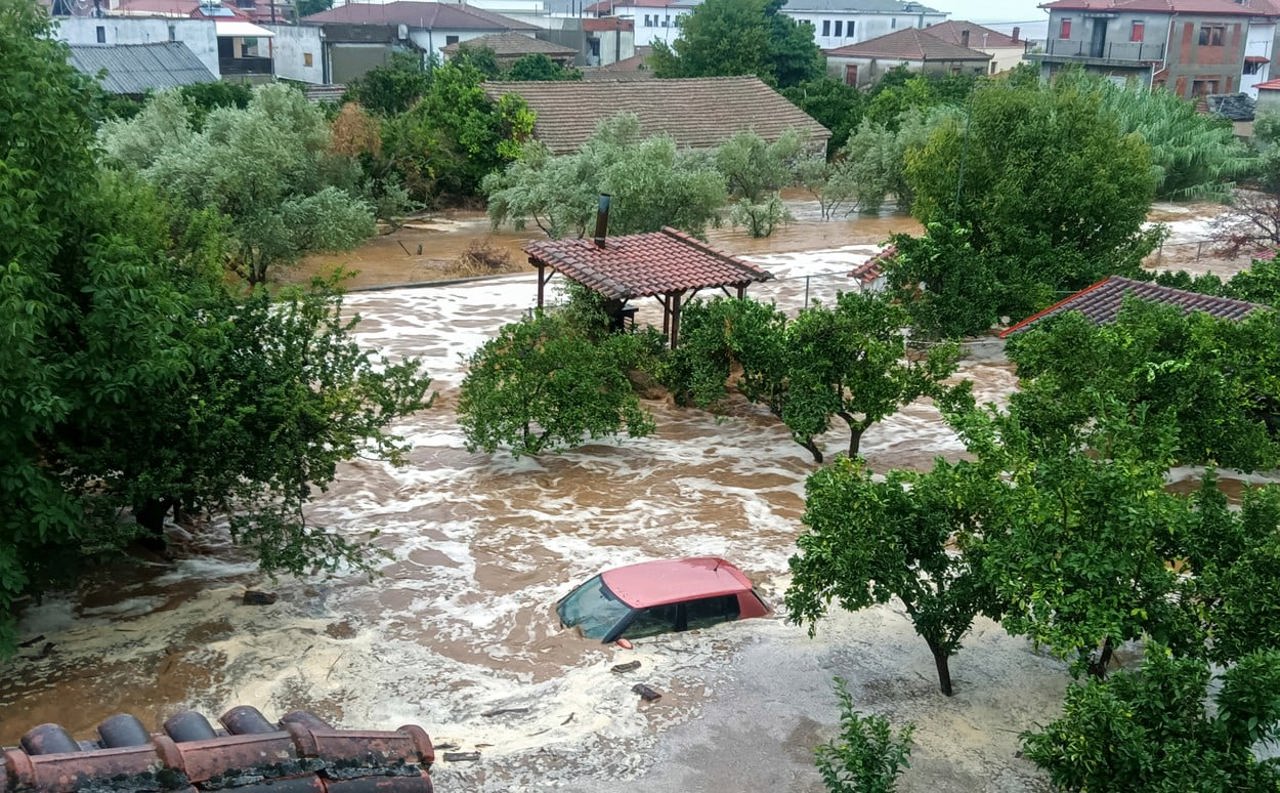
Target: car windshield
593, 609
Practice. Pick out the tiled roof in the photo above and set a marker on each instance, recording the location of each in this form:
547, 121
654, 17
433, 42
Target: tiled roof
513, 44
135, 69
909, 44
699, 113
251, 755
979, 37
610, 6
1209, 7
427, 16
873, 268
1102, 301
1269, 85
607, 23
640, 265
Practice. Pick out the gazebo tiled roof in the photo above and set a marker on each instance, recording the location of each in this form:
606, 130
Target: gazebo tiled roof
1101, 302
643, 265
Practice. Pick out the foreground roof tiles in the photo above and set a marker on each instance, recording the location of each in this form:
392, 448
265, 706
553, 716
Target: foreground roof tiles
1211, 7
1101, 302
427, 16
642, 265
699, 113
909, 44
251, 755
135, 69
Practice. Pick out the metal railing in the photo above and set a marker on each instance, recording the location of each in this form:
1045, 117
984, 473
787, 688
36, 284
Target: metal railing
1137, 52
245, 65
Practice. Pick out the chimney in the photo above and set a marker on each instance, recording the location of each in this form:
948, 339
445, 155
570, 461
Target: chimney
1016, 31
602, 220
964, 38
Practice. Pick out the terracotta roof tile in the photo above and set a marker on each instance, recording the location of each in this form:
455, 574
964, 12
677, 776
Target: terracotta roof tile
1102, 301
641, 265
1211, 7
699, 113
513, 44
873, 268
427, 16
979, 37
607, 23
909, 44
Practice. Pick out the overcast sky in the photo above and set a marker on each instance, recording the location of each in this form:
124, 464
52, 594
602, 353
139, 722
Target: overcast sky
991, 10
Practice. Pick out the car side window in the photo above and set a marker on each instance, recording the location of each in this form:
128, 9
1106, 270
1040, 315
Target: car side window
710, 611
653, 621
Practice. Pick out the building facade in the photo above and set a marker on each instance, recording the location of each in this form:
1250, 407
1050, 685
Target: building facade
1190, 47
862, 65
837, 23
652, 20
198, 34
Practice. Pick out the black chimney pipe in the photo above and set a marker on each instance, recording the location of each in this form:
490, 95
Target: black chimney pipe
602, 220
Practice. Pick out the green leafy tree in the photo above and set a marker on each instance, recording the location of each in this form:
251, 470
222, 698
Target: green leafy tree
1051, 194
833, 104
866, 757
867, 542
306, 8
1149, 730
1211, 379
478, 57
652, 182
849, 362
539, 67
204, 98
391, 88
546, 383
753, 167
737, 37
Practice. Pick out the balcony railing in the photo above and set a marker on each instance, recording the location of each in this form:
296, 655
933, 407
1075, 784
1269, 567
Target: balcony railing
244, 65
1133, 52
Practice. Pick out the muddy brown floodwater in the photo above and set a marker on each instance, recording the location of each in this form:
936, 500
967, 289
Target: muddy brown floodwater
460, 621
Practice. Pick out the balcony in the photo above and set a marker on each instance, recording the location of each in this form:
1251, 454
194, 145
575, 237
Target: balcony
244, 66
1131, 54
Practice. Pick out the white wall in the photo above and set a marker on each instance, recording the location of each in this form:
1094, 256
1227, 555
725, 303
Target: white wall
436, 40
1002, 58
197, 34
291, 46
1259, 42
865, 26
614, 42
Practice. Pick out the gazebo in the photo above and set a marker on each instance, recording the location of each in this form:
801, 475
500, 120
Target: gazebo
668, 265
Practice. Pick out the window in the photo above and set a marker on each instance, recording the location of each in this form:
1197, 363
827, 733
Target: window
1252, 67
652, 621
1212, 35
1204, 87
307, 60
450, 40
1137, 31
851, 74
826, 27
848, 28
102, 35
646, 21
173, 32
1064, 32
893, 23
666, 21
710, 611
839, 28
993, 67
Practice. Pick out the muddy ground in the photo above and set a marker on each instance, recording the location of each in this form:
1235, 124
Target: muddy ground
460, 622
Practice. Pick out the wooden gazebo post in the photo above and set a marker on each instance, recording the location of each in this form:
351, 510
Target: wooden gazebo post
675, 317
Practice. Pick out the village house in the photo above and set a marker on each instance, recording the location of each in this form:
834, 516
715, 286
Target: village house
1006, 51
199, 35
508, 48
136, 70
652, 20
1191, 47
698, 113
837, 23
865, 63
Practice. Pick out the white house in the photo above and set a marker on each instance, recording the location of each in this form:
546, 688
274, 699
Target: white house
299, 53
837, 23
654, 20
1258, 47
199, 35
429, 26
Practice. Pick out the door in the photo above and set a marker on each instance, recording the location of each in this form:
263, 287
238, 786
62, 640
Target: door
1097, 44
851, 74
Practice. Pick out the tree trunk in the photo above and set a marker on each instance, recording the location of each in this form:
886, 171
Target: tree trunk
855, 440
942, 661
1098, 666
813, 449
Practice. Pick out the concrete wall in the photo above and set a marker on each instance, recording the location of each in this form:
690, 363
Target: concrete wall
870, 70
293, 47
436, 40
1195, 68
1259, 43
614, 46
197, 34
865, 25
1003, 58
1117, 46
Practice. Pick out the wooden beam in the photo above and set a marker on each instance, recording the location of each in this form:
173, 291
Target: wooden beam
666, 316
675, 319
742, 291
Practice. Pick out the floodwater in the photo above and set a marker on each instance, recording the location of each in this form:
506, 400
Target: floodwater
460, 624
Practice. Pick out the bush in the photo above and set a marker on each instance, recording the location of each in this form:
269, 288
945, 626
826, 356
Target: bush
866, 757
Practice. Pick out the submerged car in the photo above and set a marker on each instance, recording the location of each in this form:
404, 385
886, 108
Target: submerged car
660, 597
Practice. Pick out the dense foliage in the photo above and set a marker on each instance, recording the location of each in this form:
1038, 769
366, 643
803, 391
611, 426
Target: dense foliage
849, 361
1035, 192
652, 182
737, 37
539, 67
133, 382
867, 541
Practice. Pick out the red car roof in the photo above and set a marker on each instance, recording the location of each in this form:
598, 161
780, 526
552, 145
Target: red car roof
673, 580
